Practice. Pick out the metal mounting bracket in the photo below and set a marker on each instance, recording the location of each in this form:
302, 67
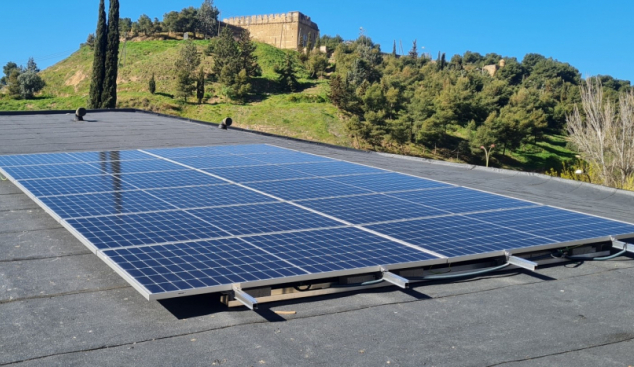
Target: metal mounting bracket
521, 263
244, 298
395, 279
620, 245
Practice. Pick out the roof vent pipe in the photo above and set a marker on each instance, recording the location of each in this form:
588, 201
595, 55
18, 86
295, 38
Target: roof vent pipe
226, 122
80, 113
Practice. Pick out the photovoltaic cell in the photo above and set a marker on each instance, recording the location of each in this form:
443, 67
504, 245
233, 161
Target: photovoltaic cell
334, 168
263, 218
249, 149
200, 264
461, 200
556, 224
370, 208
119, 167
53, 170
172, 153
388, 182
207, 196
107, 203
36, 159
144, 229
154, 180
309, 188
284, 158
453, 236
257, 173
220, 161
336, 249
76, 185
123, 155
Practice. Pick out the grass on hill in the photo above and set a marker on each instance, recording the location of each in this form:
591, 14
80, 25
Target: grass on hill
302, 115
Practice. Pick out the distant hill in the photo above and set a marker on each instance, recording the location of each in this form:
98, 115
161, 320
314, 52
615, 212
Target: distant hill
306, 114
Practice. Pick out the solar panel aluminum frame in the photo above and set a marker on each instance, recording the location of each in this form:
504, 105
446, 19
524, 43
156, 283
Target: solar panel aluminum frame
311, 277
262, 283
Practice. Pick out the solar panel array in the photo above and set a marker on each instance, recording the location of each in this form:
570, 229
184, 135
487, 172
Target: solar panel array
178, 221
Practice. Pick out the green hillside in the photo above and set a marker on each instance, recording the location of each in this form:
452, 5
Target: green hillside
304, 115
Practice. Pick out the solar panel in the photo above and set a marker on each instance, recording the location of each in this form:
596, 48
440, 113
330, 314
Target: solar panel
460, 200
177, 221
455, 236
309, 188
373, 208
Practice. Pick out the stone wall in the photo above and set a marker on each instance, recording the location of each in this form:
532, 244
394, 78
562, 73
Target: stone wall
287, 31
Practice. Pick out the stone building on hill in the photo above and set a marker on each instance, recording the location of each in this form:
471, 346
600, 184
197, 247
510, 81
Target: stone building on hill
291, 30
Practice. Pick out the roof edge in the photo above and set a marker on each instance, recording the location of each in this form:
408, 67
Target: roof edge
465, 166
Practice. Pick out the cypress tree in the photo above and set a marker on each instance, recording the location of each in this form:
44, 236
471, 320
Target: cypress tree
99, 59
394, 49
109, 94
200, 86
152, 85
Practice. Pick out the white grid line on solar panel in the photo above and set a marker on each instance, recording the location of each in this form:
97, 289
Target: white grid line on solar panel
242, 236
162, 180
144, 228
370, 167
217, 150
209, 196
371, 208
561, 225
188, 265
36, 159
389, 182
171, 209
119, 167
270, 173
369, 193
307, 188
334, 168
106, 203
76, 185
286, 158
52, 171
337, 249
460, 200
111, 155
257, 173
454, 236
217, 162
306, 208
264, 218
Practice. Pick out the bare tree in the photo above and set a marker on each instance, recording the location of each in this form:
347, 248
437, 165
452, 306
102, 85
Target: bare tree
604, 134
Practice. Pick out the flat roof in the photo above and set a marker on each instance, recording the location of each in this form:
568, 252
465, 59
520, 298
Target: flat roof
62, 305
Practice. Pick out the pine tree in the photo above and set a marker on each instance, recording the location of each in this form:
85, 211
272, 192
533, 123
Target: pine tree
248, 60
287, 75
109, 94
208, 18
99, 59
413, 53
152, 84
32, 66
200, 86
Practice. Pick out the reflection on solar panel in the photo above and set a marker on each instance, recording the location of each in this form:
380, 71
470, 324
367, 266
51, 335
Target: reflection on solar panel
179, 221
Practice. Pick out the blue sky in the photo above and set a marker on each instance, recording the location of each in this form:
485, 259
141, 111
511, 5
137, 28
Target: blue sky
594, 36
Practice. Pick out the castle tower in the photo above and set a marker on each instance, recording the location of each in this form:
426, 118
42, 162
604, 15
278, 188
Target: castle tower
291, 30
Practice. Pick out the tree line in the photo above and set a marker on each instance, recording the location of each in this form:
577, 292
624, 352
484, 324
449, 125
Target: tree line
393, 102
203, 20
